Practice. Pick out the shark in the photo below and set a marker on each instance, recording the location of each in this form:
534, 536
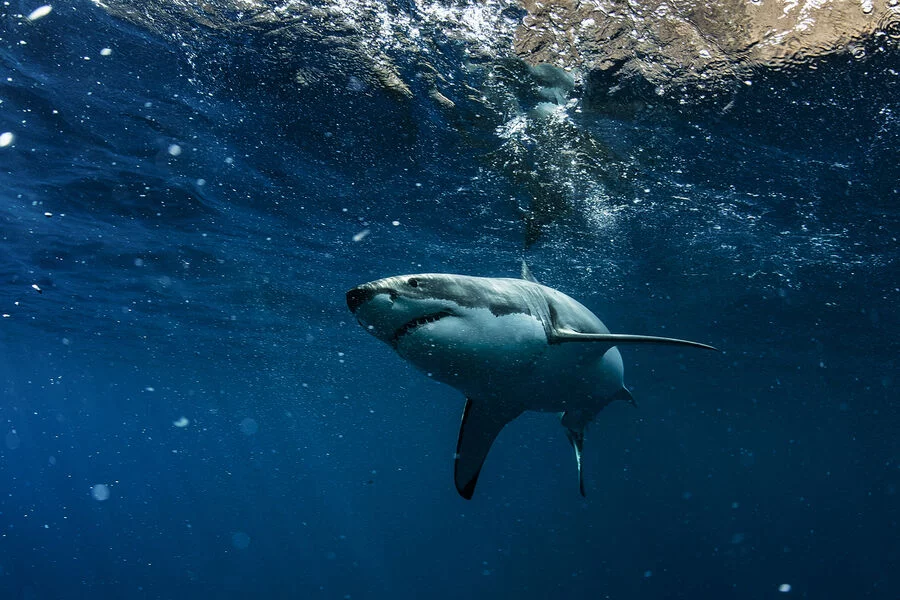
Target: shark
509, 345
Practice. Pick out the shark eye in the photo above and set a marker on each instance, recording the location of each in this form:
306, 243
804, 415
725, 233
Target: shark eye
413, 282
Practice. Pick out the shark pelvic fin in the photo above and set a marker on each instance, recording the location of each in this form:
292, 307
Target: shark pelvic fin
481, 424
576, 438
559, 336
625, 395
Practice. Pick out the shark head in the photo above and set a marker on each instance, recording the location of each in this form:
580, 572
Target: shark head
400, 306
451, 326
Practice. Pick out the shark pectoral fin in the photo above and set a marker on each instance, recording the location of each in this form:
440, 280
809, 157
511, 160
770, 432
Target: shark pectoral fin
558, 336
576, 438
481, 424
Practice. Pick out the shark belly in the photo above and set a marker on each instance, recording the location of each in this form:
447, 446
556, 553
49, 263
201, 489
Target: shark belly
483, 355
507, 359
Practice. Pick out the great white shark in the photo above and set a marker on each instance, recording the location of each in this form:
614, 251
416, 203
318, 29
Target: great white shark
509, 345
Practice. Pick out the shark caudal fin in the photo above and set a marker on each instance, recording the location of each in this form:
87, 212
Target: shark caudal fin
481, 424
560, 336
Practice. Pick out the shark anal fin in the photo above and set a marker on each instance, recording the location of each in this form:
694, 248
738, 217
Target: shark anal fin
576, 438
560, 336
481, 424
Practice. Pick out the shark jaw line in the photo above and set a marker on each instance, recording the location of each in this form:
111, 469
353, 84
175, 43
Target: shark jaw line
416, 323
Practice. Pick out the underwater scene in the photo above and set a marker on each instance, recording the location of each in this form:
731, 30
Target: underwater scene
283, 280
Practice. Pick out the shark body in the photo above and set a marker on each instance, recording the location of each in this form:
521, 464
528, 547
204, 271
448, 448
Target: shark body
509, 345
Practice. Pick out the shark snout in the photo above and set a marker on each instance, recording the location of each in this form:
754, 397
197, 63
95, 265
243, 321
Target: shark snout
359, 296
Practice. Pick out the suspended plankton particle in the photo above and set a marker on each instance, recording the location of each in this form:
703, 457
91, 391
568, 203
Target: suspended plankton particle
106, 52
784, 588
37, 288
6, 138
182, 422
240, 540
40, 12
249, 426
100, 492
174, 149
361, 235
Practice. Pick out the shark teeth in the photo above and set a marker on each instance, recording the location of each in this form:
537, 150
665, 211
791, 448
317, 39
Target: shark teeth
416, 323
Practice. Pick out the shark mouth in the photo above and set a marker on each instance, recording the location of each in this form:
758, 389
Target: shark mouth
416, 323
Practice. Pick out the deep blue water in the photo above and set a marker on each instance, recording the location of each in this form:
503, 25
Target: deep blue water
208, 284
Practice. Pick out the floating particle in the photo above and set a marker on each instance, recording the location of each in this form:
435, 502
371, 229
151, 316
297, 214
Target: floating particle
395, 223
249, 426
48, 214
784, 588
100, 492
361, 235
40, 12
37, 288
182, 422
12, 440
174, 149
6, 138
240, 540
648, 573
106, 52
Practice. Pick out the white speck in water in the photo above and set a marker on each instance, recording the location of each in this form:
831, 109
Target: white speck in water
174, 149
100, 492
182, 422
40, 12
240, 540
201, 182
784, 588
249, 426
37, 288
361, 235
106, 52
6, 138
149, 389
229, 161
395, 223
12, 440
139, 262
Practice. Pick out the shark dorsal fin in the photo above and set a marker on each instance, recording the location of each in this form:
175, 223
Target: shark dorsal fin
526, 273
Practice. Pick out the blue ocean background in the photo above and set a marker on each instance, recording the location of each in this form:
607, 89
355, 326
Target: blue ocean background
190, 411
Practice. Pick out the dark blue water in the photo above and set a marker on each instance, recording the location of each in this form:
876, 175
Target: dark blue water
189, 410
